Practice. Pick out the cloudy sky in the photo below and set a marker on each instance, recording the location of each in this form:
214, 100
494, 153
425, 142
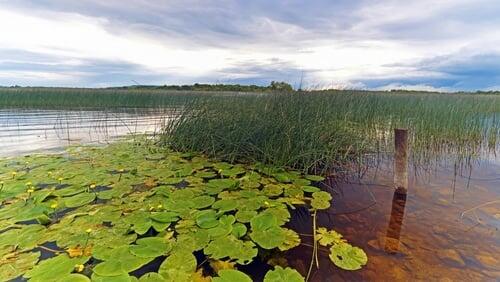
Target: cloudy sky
446, 45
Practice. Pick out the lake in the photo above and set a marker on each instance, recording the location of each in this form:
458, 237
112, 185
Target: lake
28, 131
445, 229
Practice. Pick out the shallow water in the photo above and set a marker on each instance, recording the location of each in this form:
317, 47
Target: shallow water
27, 131
433, 233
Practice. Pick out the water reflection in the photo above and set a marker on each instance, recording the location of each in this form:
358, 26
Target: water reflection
396, 221
26, 131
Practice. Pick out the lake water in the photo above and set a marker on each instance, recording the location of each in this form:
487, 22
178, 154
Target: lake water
27, 131
445, 229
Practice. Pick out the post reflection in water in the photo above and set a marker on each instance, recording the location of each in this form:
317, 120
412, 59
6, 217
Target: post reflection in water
397, 214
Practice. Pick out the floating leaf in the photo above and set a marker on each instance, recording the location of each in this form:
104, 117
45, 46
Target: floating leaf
15, 264
225, 205
266, 232
120, 261
280, 274
310, 189
230, 247
74, 277
79, 200
178, 263
231, 275
315, 178
326, 238
58, 266
150, 247
239, 230
207, 219
245, 216
151, 277
292, 240
321, 200
347, 257
165, 217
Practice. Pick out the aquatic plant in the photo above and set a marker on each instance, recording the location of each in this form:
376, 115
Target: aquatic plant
318, 131
136, 211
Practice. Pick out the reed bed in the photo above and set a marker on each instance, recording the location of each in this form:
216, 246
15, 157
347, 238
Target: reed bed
65, 98
323, 130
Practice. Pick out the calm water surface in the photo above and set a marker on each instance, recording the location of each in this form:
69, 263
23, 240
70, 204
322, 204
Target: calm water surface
445, 229
27, 131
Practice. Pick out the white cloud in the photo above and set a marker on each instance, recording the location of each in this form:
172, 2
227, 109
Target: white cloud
385, 40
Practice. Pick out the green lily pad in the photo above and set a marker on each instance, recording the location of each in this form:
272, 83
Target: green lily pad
165, 217
315, 178
120, 261
179, 261
79, 200
239, 230
321, 200
328, 237
230, 247
58, 266
225, 205
280, 274
74, 277
207, 219
150, 247
201, 202
347, 257
231, 275
245, 216
151, 277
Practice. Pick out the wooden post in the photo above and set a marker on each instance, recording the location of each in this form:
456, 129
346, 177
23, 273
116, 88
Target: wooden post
401, 186
393, 232
401, 160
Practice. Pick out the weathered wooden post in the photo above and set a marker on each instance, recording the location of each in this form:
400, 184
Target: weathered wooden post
401, 187
401, 160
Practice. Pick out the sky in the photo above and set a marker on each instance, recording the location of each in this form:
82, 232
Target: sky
443, 45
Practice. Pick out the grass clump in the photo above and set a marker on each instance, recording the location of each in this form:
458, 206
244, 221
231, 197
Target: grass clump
323, 130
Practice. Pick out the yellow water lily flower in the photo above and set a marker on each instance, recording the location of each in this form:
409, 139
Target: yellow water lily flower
88, 230
159, 206
28, 183
60, 179
53, 206
79, 267
92, 186
121, 170
30, 190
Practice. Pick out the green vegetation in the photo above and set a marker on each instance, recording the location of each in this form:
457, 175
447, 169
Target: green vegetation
110, 213
273, 87
324, 130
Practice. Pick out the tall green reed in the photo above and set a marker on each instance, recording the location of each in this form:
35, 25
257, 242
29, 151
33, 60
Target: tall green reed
323, 130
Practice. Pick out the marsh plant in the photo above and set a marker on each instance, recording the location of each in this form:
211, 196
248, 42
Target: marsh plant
319, 131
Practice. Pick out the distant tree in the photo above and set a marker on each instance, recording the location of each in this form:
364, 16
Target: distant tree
280, 86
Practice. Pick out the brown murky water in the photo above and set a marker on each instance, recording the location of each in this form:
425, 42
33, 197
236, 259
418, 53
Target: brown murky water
445, 229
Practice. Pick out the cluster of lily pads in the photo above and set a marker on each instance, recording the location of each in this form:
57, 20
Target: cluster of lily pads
108, 213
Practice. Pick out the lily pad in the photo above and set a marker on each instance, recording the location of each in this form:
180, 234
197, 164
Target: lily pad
79, 200
58, 266
231, 275
280, 274
150, 247
230, 247
207, 219
347, 257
